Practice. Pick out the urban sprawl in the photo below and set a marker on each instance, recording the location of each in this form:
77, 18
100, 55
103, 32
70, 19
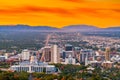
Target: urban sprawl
67, 49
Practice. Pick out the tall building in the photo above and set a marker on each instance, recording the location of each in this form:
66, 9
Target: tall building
46, 54
25, 54
68, 51
55, 56
63, 55
86, 61
107, 54
85, 53
68, 47
77, 53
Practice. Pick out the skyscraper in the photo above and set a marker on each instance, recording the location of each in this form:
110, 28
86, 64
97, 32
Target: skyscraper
55, 56
85, 53
107, 54
47, 53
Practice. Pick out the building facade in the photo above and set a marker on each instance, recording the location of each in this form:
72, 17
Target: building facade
107, 54
47, 54
70, 60
25, 54
55, 56
33, 66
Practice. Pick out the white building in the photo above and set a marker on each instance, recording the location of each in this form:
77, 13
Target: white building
107, 64
70, 60
115, 58
28, 67
25, 54
55, 56
33, 66
2, 58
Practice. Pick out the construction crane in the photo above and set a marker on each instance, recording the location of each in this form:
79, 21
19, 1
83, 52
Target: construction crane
46, 44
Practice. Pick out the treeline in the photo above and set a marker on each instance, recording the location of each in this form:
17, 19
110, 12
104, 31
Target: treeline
66, 72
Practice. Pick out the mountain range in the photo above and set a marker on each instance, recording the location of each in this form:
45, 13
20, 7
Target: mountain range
73, 28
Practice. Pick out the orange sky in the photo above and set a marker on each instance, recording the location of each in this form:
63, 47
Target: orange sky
59, 13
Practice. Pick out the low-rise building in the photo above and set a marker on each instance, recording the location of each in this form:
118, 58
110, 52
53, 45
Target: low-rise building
33, 66
70, 60
107, 64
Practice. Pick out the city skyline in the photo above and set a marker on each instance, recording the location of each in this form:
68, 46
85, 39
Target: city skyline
60, 13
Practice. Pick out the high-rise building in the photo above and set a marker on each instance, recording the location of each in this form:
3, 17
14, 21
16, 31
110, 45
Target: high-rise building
55, 56
107, 54
68, 47
69, 50
85, 53
77, 53
63, 55
25, 54
47, 54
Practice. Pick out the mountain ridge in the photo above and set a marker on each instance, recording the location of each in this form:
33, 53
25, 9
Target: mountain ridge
49, 28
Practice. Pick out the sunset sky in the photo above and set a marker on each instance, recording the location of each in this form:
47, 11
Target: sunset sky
59, 13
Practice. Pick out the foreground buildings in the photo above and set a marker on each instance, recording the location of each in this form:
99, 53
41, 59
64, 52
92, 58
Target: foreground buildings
33, 66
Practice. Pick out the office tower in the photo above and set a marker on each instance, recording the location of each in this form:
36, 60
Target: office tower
46, 57
107, 54
69, 50
25, 54
68, 47
55, 56
85, 53
63, 55
77, 53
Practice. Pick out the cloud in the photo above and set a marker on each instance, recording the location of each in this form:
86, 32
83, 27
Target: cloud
52, 10
34, 9
116, 10
76, 1
61, 12
99, 12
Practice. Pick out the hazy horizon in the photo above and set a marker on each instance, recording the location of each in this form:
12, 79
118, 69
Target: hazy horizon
77, 25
